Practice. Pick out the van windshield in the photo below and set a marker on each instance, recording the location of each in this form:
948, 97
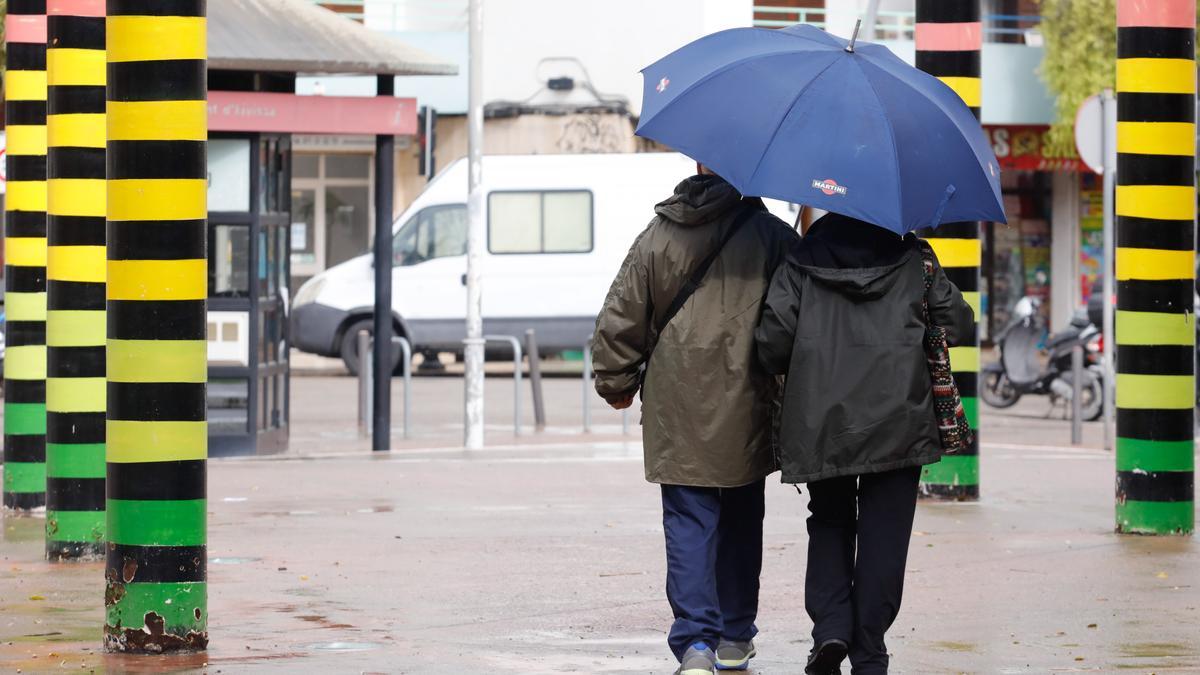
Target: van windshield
434, 232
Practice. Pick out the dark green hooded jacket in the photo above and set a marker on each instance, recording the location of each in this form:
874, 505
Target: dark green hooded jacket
843, 321
707, 405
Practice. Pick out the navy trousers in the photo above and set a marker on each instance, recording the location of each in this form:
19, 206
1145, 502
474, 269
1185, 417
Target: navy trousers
714, 557
857, 547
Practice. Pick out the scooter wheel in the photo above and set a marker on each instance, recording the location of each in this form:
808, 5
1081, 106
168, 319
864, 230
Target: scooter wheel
996, 389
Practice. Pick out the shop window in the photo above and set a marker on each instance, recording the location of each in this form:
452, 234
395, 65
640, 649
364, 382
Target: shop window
347, 166
540, 222
272, 175
305, 166
435, 232
229, 261
229, 174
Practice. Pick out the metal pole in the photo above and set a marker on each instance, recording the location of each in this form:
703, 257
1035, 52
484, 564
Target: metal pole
364, 384
1156, 258
951, 50
25, 259
625, 422
367, 363
157, 437
535, 379
1108, 116
406, 369
75, 270
1076, 394
869, 19
587, 386
473, 346
385, 165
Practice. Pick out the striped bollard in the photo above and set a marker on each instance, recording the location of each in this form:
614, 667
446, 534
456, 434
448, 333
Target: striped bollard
1155, 267
25, 257
75, 269
157, 442
949, 39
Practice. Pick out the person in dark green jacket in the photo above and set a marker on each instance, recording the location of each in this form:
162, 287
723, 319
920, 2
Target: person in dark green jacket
843, 320
707, 405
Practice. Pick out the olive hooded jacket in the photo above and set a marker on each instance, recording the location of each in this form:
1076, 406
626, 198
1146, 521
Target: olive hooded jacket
843, 321
707, 405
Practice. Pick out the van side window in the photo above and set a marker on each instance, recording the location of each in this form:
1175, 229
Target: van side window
540, 222
435, 232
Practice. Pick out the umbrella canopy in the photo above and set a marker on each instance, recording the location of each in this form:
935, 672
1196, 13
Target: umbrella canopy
791, 114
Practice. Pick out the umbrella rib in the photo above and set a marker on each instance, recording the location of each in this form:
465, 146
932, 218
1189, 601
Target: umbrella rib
937, 104
891, 138
783, 118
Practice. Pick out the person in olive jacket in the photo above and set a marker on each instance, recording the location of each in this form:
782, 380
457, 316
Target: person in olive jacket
707, 404
843, 320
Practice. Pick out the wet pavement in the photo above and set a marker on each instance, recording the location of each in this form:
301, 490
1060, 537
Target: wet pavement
544, 555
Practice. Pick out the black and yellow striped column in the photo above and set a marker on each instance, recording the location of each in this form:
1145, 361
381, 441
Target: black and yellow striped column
1155, 266
949, 39
156, 594
75, 268
25, 257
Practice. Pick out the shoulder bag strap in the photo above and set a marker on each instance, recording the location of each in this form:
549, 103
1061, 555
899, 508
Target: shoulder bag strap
697, 277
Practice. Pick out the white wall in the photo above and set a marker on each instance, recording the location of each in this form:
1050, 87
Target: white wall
613, 39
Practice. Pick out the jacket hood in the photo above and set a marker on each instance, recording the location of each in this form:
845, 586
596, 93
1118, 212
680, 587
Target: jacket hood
698, 200
854, 257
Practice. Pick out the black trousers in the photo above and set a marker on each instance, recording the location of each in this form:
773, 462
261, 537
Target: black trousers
858, 534
714, 557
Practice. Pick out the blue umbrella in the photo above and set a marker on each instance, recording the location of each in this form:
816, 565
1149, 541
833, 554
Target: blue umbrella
801, 115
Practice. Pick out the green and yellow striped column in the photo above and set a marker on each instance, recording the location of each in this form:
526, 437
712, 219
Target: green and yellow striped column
949, 39
157, 365
25, 257
75, 268
1155, 266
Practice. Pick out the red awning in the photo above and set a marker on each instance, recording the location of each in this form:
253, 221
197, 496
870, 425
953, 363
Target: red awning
289, 113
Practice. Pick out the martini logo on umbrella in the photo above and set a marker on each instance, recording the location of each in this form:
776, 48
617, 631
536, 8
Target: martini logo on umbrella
662, 85
829, 186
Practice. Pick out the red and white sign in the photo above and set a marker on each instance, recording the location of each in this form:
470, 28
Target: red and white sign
289, 113
1019, 147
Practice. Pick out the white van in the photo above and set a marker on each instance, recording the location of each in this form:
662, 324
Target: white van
557, 228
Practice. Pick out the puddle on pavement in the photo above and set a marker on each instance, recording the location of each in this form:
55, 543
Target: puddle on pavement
232, 560
949, 646
1155, 649
342, 646
385, 508
20, 529
323, 622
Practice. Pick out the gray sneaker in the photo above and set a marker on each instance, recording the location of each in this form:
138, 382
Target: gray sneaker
735, 655
698, 660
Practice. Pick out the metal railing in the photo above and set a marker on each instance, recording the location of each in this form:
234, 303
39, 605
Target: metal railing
588, 394
516, 346
898, 24
366, 379
403, 15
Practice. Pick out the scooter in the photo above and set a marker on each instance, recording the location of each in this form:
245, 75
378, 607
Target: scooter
1019, 371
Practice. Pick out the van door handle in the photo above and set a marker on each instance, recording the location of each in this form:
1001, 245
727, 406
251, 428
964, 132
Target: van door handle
464, 279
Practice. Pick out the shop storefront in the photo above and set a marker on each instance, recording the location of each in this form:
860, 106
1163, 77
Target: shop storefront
333, 187
1049, 242
257, 224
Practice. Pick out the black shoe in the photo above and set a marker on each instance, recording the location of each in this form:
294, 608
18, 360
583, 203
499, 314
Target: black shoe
826, 659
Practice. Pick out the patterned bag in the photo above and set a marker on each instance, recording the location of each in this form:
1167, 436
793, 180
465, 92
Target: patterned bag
947, 404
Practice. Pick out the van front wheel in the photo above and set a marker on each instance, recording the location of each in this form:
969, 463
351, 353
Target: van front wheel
349, 347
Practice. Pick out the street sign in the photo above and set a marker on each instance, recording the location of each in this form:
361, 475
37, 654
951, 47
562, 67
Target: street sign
1089, 134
